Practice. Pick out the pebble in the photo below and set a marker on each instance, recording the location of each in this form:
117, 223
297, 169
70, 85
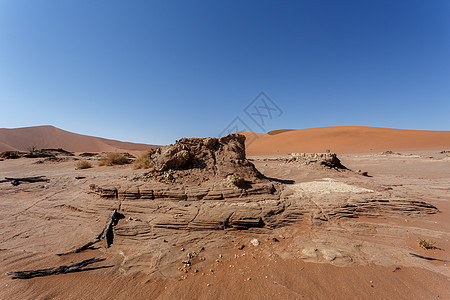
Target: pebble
182, 249
249, 278
208, 284
255, 242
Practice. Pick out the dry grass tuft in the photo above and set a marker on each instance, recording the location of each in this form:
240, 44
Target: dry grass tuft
144, 161
427, 245
113, 158
83, 164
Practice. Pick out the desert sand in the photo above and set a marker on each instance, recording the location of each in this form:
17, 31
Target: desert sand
23, 139
292, 230
345, 139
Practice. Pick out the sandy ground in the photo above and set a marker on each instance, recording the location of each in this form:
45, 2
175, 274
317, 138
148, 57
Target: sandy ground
346, 258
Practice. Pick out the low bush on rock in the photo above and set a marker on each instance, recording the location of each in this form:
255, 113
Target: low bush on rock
144, 161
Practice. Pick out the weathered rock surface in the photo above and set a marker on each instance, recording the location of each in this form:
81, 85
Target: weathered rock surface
217, 207
204, 158
208, 184
329, 160
49, 153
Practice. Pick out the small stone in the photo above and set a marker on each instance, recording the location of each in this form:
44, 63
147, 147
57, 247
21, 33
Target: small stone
249, 278
211, 270
220, 255
217, 260
275, 240
195, 271
182, 249
255, 242
208, 284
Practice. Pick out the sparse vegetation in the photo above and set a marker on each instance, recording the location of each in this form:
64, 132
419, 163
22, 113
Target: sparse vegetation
427, 245
144, 161
83, 164
113, 158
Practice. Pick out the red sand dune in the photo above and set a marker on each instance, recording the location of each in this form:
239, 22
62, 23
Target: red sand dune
345, 139
23, 139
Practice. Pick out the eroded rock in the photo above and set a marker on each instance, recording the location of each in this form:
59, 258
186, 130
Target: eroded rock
329, 160
195, 160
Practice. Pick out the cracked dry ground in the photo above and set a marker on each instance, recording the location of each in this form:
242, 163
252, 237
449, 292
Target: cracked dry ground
322, 233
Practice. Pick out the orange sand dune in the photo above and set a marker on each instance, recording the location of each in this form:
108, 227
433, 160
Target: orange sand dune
345, 139
51, 137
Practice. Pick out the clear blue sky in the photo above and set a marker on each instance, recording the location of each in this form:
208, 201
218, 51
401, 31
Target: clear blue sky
156, 71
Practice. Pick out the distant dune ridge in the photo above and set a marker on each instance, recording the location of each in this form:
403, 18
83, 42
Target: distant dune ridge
22, 139
345, 139
341, 139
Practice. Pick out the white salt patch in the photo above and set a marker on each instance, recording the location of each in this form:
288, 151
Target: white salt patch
328, 186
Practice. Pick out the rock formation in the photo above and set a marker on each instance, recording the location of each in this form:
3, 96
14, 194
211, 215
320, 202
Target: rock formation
192, 160
329, 160
208, 184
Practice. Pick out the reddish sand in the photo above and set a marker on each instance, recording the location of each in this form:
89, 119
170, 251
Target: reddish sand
312, 258
348, 258
345, 139
23, 139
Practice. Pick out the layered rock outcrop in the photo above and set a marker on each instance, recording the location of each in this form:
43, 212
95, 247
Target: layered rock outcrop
208, 184
329, 160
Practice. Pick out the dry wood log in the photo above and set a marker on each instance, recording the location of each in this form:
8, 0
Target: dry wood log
428, 258
17, 181
107, 232
76, 267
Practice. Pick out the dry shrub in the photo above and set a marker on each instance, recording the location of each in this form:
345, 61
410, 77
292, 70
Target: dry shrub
144, 161
113, 158
83, 164
428, 245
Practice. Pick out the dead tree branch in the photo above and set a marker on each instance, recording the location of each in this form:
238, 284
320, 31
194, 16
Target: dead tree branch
107, 232
17, 181
428, 258
76, 267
